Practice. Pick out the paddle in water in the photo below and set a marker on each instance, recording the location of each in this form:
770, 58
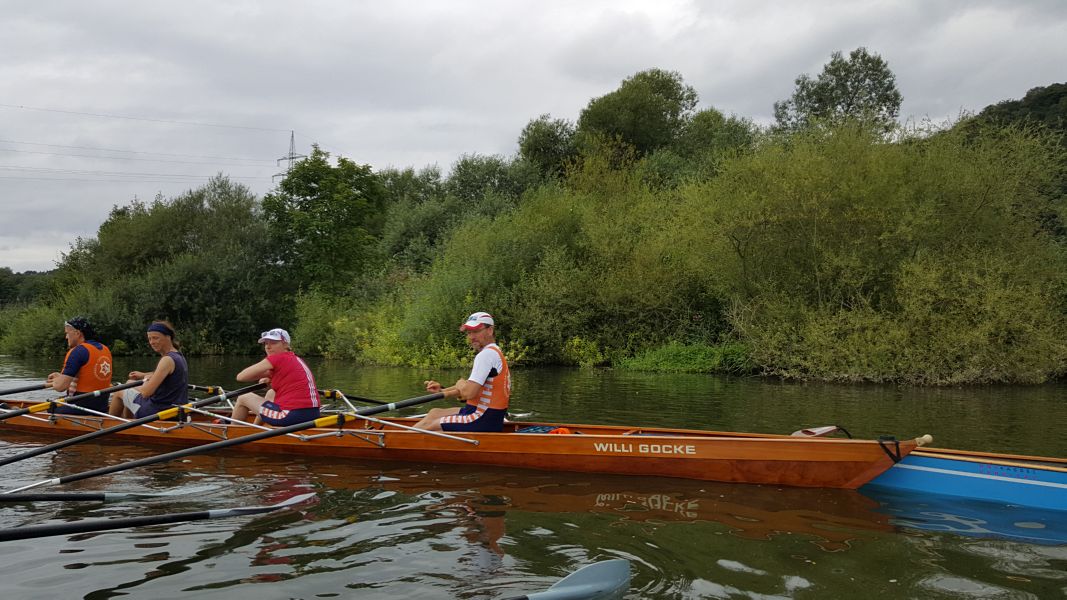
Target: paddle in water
37, 531
598, 581
101, 496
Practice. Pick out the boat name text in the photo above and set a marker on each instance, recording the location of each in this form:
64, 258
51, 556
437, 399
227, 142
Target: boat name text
645, 448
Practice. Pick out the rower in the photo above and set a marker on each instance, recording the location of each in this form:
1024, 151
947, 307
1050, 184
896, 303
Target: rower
86, 368
486, 391
292, 398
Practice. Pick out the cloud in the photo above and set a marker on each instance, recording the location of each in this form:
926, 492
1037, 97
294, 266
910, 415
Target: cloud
417, 83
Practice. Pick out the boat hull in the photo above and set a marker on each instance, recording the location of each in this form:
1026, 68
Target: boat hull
1002, 478
708, 456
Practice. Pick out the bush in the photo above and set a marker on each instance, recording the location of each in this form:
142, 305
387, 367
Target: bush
727, 358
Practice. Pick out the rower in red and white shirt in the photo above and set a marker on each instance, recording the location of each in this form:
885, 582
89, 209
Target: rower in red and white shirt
292, 398
486, 391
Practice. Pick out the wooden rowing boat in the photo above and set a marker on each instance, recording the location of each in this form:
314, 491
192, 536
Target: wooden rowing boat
691, 454
1031, 481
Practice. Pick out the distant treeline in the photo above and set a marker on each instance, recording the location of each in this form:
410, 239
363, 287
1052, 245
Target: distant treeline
833, 245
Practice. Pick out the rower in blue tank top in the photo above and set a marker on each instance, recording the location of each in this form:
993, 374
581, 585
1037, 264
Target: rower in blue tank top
164, 387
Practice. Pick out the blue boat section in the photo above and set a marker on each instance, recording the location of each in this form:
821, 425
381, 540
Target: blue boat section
1023, 486
953, 515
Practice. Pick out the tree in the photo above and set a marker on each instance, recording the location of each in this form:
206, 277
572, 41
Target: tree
648, 111
861, 87
474, 178
549, 144
325, 220
709, 131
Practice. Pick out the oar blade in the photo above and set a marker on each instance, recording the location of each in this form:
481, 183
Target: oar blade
598, 581
283, 504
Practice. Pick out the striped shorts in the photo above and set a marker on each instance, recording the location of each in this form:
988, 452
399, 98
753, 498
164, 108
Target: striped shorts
272, 414
470, 418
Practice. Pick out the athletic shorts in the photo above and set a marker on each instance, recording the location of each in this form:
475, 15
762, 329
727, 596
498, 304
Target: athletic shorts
468, 419
139, 407
272, 414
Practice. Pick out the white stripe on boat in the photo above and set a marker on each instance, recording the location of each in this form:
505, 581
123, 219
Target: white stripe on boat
982, 476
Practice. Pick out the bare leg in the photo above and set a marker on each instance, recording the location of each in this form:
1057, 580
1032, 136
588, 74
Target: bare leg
247, 405
114, 405
432, 420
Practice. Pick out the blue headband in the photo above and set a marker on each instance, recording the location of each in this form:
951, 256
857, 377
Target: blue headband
161, 328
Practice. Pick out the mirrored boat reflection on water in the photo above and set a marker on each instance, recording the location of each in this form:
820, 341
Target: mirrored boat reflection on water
970, 518
831, 518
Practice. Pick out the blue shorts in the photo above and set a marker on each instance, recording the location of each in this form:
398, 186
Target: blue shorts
490, 421
272, 414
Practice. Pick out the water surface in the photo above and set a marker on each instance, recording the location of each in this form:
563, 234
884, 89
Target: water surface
393, 530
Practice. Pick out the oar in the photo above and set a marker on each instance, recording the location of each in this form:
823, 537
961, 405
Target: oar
162, 415
328, 421
36, 531
36, 408
599, 580
28, 388
339, 393
100, 496
208, 389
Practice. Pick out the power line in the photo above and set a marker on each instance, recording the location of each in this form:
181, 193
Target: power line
128, 118
262, 160
115, 173
162, 160
187, 179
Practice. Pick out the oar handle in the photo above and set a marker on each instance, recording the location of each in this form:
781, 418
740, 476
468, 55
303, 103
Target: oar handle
339, 393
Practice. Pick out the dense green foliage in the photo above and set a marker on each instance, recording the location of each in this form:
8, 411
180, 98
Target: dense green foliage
648, 111
859, 88
22, 288
325, 220
650, 236
196, 260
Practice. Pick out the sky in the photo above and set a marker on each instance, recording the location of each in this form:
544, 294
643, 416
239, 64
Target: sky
105, 102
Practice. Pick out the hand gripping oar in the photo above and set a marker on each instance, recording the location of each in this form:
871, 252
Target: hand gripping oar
28, 388
36, 408
100, 496
602, 579
36, 531
165, 414
327, 421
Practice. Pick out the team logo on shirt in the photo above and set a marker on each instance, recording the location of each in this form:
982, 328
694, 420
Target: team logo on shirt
102, 368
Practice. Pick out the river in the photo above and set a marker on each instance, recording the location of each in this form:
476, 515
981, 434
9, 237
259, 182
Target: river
386, 530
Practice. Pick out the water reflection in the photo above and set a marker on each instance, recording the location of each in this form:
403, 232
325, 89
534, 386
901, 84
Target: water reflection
386, 530
959, 516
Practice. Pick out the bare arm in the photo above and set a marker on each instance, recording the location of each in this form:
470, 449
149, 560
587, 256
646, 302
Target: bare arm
59, 381
464, 389
260, 370
153, 380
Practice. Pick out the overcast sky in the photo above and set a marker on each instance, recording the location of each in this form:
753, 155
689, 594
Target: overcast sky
102, 102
